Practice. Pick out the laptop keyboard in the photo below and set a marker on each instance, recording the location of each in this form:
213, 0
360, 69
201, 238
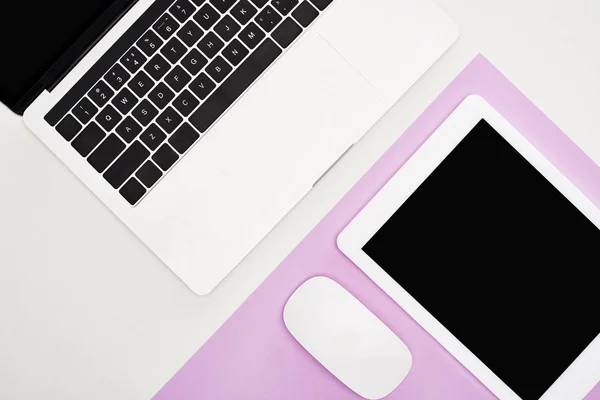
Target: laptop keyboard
168, 79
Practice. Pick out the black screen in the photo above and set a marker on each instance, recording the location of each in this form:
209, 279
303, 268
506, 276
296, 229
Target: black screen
34, 35
500, 258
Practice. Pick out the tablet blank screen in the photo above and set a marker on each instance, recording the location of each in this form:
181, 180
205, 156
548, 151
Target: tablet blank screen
500, 258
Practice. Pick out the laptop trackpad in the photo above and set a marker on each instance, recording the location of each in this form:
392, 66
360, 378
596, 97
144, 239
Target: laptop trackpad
265, 153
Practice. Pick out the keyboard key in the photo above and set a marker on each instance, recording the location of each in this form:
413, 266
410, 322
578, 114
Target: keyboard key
222, 5
235, 52
166, 26
287, 32
210, 45
117, 76
190, 33
125, 101
141, 84
108, 118
152, 137
268, 18
161, 95
198, 2
169, 120
284, 6
252, 35
235, 85
149, 174
68, 127
106, 153
194, 62
178, 79
321, 4
219, 69
149, 43
101, 93
145, 112
132, 191
182, 10
186, 103
305, 14
165, 157
128, 129
184, 138
88, 139
126, 164
259, 3
133, 60
85, 110
227, 28
207, 17
243, 11
202, 86
174, 50
157, 67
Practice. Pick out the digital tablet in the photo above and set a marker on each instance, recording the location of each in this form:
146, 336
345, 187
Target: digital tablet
494, 252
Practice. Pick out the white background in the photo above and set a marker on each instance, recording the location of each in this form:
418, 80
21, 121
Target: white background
87, 312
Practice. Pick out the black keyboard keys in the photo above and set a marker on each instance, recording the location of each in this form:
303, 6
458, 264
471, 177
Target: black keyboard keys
178, 79
157, 67
305, 14
126, 164
186, 103
161, 95
284, 6
132, 191
117, 76
153, 137
210, 45
182, 10
149, 174
184, 138
207, 17
125, 101
252, 35
165, 157
321, 4
88, 139
128, 129
287, 32
106, 153
268, 19
145, 112
68, 127
190, 33
227, 28
141, 84
169, 120
243, 11
235, 52
222, 5
219, 69
174, 50
108, 118
226, 94
194, 61
133, 60
202, 86
166, 26
149, 43
259, 3
85, 110
101, 93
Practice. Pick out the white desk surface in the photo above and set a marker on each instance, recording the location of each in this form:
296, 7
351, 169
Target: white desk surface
87, 312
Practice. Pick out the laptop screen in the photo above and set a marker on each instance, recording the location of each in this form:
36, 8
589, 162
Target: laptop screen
501, 258
34, 35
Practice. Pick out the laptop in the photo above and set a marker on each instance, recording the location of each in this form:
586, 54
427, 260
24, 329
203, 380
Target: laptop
201, 123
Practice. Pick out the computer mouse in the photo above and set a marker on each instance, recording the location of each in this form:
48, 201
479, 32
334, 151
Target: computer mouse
347, 338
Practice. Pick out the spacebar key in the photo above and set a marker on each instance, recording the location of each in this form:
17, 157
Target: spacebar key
235, 85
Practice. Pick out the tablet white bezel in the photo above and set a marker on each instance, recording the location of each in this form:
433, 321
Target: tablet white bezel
584, 373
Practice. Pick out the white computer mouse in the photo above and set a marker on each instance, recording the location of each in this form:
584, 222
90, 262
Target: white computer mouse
347, 338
